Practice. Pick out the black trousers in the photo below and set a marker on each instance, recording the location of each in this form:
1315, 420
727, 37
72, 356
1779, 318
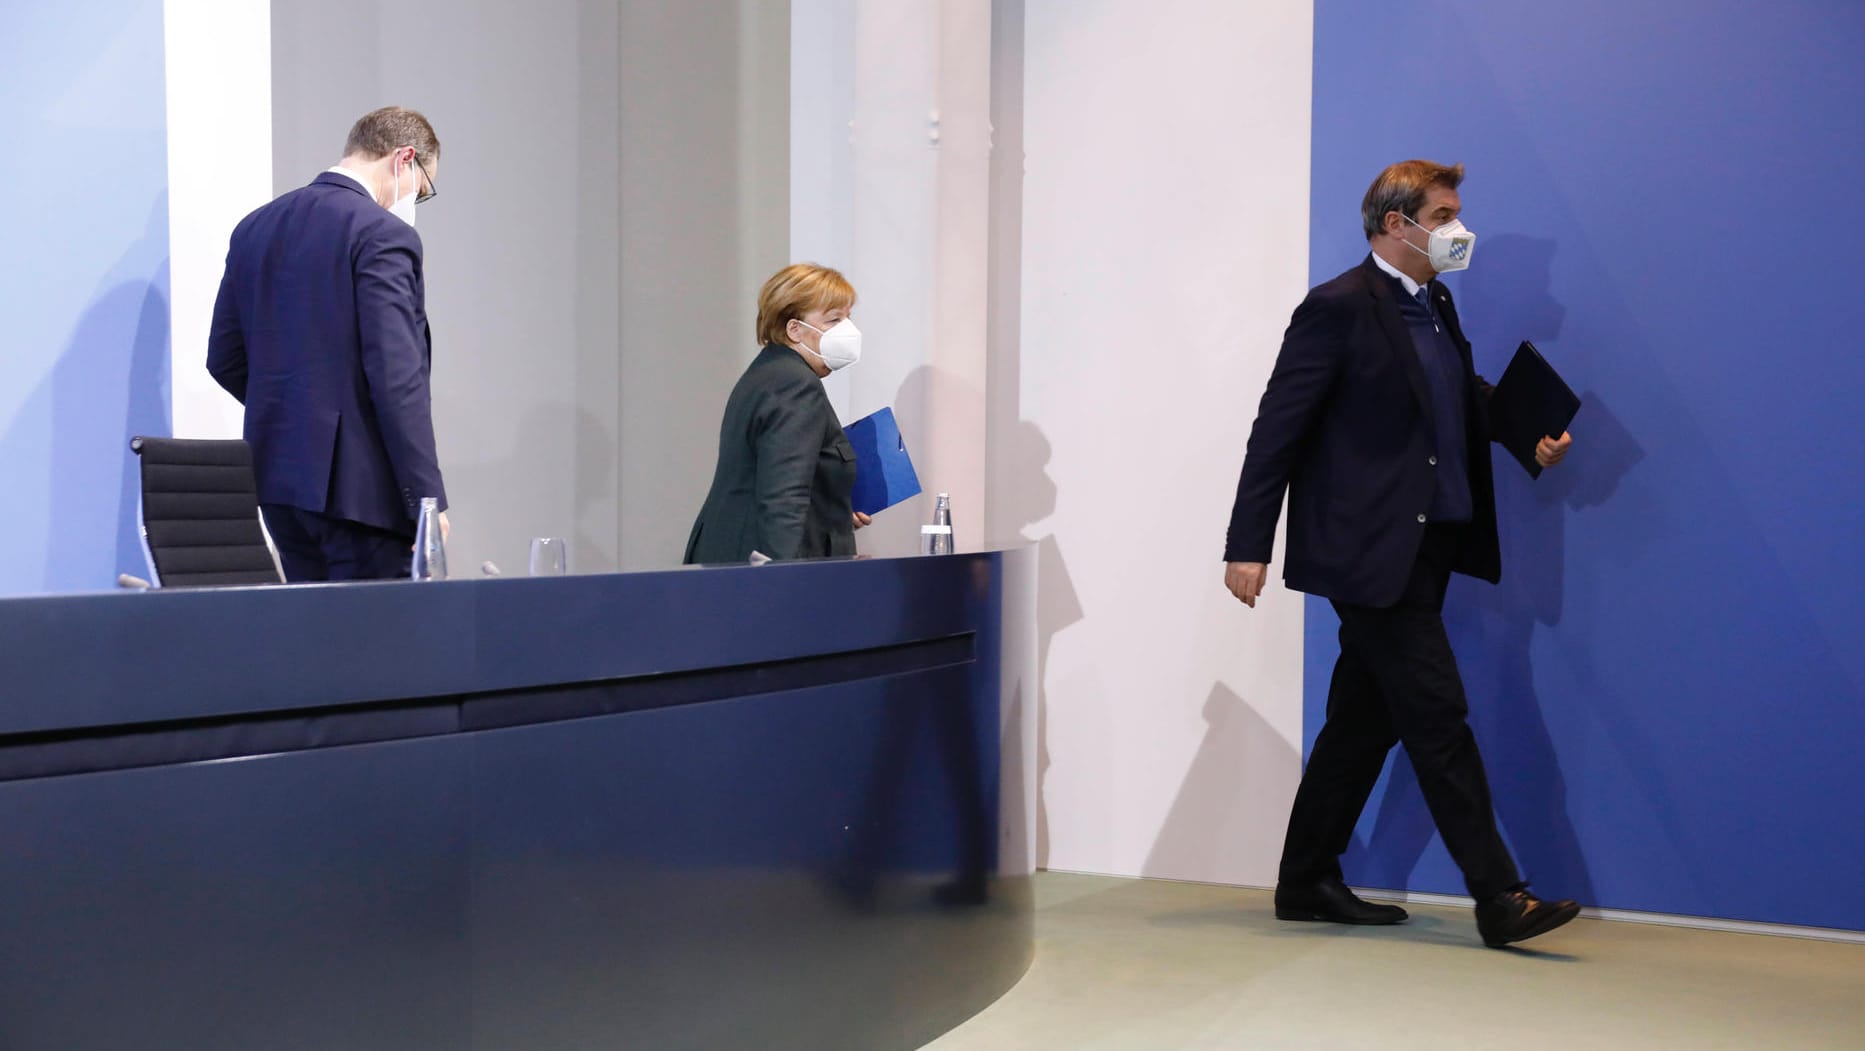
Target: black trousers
313, 547
1397, 681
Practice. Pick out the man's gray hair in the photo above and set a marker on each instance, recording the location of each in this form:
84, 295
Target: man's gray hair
1401, 188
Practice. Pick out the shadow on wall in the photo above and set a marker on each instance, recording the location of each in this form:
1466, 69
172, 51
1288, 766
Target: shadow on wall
1232, 806
923, 394
1030, 498
109, 384
1509, 300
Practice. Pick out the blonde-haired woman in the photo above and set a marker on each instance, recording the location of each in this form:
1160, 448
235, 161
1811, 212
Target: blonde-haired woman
785, 470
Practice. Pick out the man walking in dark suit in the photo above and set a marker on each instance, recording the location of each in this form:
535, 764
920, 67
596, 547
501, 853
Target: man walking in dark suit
320, 330
1375, 425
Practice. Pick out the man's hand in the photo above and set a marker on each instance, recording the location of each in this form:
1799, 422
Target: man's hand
1245, 580
862, 520
1549, 451
445, 528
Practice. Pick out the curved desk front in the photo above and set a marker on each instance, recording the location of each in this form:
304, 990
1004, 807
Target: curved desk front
774, 807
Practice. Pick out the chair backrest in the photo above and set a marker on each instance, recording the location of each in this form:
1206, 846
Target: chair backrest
200, 514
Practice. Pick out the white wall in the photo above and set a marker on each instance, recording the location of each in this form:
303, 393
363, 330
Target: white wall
520, 243
705, 194
822, 156
1163, 237
613, 188
890, 145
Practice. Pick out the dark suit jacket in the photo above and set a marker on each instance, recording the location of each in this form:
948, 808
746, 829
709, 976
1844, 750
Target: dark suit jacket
320, 330
1345, 427
785, 469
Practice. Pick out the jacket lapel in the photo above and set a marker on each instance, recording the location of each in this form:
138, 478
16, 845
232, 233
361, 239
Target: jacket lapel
1398, 337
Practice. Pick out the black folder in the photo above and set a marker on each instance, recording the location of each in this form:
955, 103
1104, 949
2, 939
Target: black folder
1530, 402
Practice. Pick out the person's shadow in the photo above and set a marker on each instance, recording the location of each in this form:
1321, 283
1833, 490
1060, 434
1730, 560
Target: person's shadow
1493, 629
1230, 811
949, 749
1025, 497
1027, 501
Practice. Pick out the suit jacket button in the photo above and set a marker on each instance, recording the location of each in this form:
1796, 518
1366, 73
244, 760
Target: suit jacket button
1421, 519
1433, 461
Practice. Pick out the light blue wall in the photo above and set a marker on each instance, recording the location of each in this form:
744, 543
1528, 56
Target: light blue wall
1669, 685
84, 306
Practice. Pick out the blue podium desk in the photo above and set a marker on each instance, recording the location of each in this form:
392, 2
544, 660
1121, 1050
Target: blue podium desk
774, 807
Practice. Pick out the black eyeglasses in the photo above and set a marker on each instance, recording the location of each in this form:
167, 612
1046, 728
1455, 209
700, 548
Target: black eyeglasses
432, 190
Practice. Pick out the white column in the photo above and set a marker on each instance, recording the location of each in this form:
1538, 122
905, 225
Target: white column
1164, 233
822, 158
955, 391
218, 58
890, 143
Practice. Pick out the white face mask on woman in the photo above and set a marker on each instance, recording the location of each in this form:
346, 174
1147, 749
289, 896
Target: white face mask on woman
840, 343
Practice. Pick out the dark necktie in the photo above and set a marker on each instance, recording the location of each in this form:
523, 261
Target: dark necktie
1424, 300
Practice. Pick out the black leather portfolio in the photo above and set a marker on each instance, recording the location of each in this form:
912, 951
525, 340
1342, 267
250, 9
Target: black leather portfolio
1530, 402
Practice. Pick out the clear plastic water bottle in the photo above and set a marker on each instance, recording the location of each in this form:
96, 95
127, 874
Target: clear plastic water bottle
936, 539
430, 548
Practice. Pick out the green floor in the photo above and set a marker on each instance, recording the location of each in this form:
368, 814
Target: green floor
1150, 964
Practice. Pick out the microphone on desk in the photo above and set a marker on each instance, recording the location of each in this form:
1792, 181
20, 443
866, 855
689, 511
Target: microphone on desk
124, 580
489, 569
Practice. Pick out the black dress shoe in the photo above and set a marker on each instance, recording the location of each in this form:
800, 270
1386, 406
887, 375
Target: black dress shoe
1516, 915
1329, 901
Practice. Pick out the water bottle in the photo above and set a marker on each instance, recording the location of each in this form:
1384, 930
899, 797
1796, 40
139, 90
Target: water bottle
936, 539
430, 548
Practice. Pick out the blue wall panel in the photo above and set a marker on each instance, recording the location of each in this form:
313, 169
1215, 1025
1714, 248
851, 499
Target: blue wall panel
1667, 684
84, 230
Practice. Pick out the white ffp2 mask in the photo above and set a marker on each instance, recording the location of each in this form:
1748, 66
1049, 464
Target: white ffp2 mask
1451, 245
840, 343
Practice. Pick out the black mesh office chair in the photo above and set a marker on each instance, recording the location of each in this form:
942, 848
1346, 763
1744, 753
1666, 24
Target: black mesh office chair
200, 514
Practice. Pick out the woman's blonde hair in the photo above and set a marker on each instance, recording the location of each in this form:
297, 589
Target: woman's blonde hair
796, 290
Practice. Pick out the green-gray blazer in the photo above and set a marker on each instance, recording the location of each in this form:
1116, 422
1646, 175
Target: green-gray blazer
785, 469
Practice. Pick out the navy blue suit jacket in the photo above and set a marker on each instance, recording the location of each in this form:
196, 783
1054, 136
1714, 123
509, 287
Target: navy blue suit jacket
320, 330
1346, 429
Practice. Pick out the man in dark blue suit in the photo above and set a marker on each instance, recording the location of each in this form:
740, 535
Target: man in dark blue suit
320, 330
1374, 423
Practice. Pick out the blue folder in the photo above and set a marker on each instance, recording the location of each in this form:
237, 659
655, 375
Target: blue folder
883, 470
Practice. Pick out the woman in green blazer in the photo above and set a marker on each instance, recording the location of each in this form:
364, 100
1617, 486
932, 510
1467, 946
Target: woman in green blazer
785, 470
